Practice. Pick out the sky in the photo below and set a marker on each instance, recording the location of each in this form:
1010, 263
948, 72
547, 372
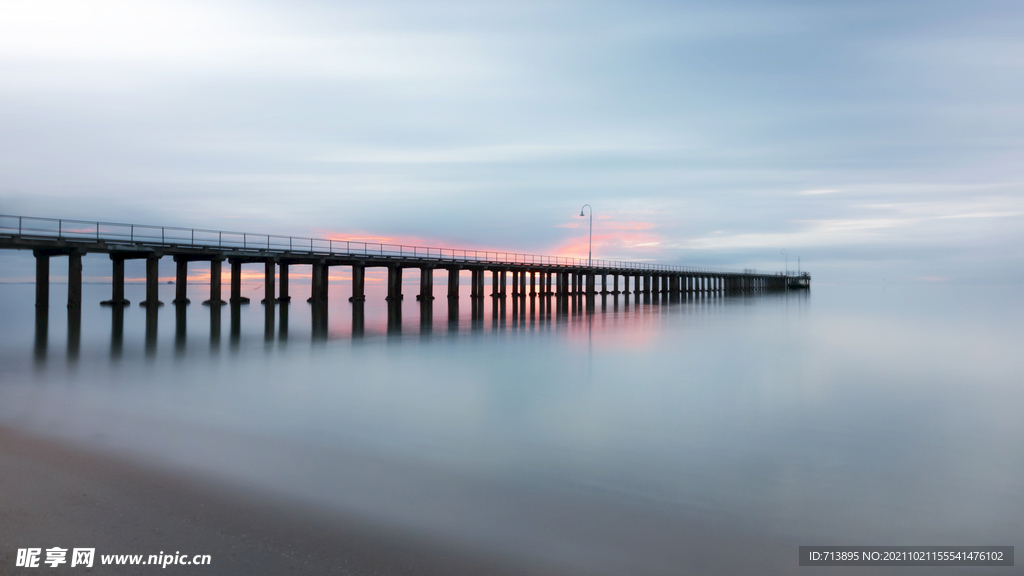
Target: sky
875, 141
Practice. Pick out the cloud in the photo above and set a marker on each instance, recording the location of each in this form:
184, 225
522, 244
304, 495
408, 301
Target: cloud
696, 131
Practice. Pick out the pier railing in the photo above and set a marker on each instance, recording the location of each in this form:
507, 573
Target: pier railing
29, 227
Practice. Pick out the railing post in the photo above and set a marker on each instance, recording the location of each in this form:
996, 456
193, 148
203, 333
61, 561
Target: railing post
60, 225
133, 233
19, 225
163, 237
220, 238
244, 240
192, 242
97, 231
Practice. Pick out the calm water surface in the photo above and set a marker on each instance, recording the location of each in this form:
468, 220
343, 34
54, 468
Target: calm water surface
705, 436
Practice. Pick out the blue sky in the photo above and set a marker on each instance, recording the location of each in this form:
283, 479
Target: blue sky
872, 139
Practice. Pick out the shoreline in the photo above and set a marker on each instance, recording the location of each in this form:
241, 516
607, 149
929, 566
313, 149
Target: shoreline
55, 494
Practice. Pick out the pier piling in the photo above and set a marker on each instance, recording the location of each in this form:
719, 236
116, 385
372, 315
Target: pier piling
75, 279
269, 289
181, 280
358, 283
152, 282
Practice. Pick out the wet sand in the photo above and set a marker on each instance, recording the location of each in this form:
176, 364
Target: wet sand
53, 494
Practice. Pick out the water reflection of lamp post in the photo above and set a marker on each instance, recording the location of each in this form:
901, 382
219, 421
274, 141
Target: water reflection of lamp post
787, 261
590, 245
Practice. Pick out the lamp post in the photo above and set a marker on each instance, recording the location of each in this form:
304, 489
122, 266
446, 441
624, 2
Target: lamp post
590, 244
787, 260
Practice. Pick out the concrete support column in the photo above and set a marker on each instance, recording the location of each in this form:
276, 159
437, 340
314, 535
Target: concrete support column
647, 284
591, 283
358, 283
515, 282
604, 283
615, 283
181, 280
315, 284
325, 278
117, 278
318, 286
533, 283
394, 284
522, 283
473, 281
453, 283
495, 284
42, 278
215, 299
426, 284
75, 280
282, 277
236, 283
503, 279
152, 282
269, 284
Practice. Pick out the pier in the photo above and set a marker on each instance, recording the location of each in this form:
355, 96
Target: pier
510, 275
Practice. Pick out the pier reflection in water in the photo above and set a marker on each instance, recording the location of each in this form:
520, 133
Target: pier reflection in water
360, 319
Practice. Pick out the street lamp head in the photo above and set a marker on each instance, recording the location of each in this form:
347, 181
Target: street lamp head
581, 212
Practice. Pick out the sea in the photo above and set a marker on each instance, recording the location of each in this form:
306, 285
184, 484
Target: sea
621, 434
